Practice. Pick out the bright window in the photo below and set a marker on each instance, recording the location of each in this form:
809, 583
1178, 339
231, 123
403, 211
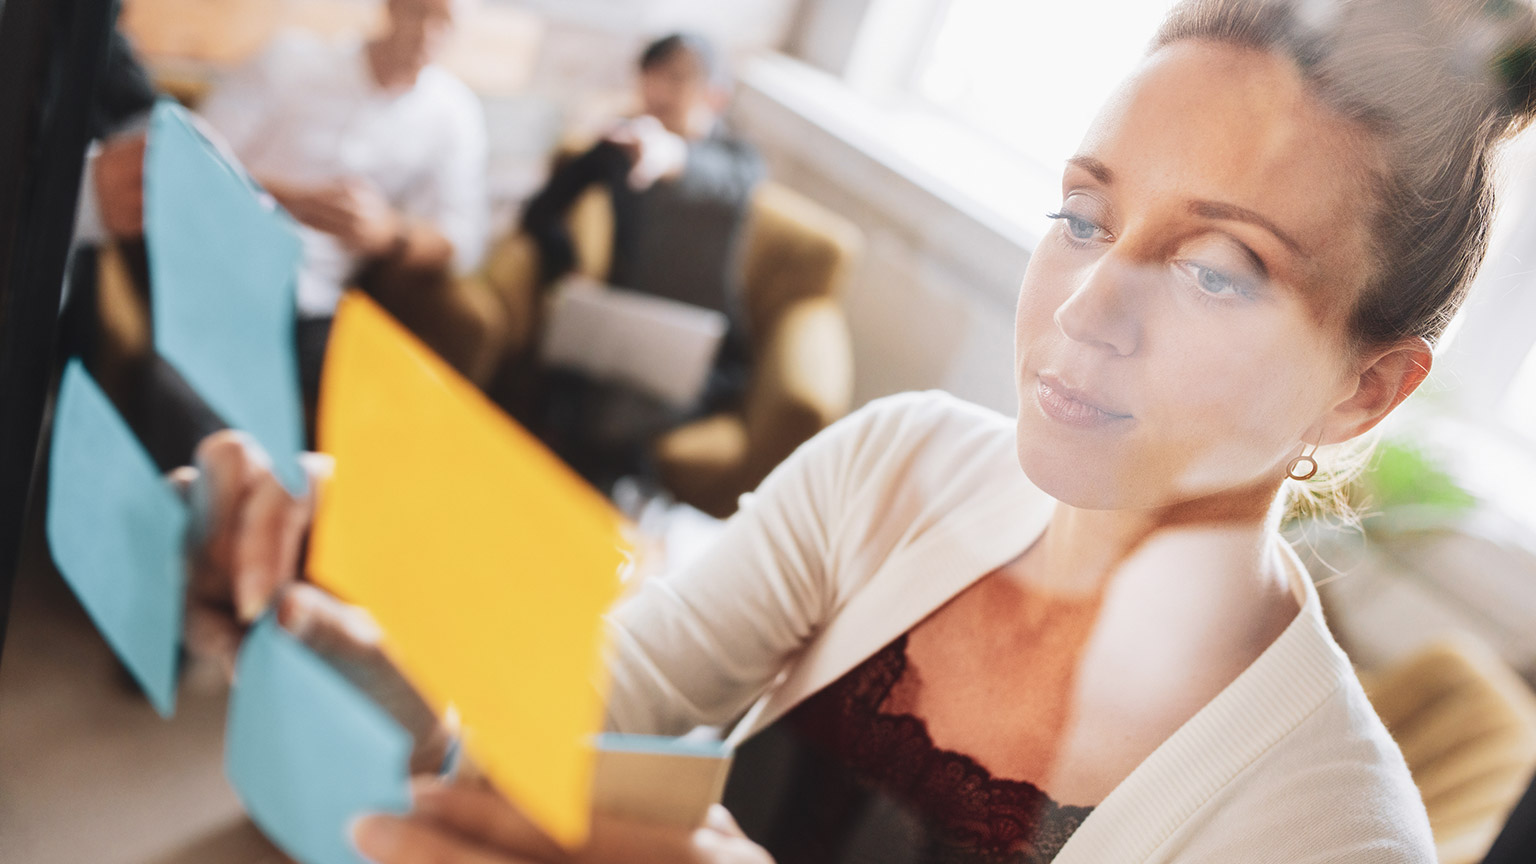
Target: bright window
1033, 74
1520, 408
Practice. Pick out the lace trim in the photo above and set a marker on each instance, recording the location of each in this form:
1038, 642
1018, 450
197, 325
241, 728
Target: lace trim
977, 817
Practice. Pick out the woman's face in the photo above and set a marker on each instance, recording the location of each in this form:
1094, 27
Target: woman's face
1181, 329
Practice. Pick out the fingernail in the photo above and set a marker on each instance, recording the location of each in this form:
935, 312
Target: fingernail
374, 837
248, 606
182, 479
319, 466
426, 794
296, 616
425, 786
250, 610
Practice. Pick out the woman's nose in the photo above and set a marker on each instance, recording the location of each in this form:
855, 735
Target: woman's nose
1100, 311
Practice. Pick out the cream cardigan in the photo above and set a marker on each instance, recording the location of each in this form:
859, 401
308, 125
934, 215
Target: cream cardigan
888, 514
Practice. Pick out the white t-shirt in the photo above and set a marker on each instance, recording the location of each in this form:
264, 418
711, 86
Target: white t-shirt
308, 111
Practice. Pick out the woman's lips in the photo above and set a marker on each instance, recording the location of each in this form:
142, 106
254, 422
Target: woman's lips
1072, 407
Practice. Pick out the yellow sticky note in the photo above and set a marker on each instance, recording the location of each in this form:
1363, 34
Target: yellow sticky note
486, 560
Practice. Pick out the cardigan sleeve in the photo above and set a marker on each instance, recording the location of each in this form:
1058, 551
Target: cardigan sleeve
698, 647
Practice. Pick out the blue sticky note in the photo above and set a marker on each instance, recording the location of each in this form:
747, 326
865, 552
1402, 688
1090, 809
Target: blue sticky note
223, 264
115, 527
307, 751
662, 745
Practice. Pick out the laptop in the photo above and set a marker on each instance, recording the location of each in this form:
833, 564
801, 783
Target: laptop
661, 347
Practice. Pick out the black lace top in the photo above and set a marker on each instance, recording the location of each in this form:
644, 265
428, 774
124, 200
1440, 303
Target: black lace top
970, 815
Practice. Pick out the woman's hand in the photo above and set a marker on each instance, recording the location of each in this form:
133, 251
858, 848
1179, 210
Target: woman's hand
348, 639
245, 540
469, 823
243, 557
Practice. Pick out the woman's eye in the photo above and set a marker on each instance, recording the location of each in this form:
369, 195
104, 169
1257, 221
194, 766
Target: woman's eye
1212, 282
1215, 283
1078, 228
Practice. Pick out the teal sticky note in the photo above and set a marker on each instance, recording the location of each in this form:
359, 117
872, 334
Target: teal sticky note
307, 751
115, 527
223, 265
662, 745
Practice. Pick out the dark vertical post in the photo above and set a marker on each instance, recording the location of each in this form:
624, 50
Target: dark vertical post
50, 54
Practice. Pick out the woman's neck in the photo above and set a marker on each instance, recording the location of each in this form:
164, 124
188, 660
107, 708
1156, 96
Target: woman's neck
1082, 550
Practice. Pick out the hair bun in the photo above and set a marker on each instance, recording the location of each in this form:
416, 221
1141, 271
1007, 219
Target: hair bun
1513, 63
1515, 71
1438, 85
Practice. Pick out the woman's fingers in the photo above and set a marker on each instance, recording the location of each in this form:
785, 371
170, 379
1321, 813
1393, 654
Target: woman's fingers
246, 536
479, 815
721, 841
213, 634
182, 479
226, 469
620, 840
265, 554
340, 632
318, 467
722, 822
348, 638
477, 811
391, 840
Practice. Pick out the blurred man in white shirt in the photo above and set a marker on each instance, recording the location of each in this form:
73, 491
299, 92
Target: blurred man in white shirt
376, 151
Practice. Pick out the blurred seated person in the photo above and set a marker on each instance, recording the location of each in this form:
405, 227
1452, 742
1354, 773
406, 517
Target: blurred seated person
376, 151
681, 185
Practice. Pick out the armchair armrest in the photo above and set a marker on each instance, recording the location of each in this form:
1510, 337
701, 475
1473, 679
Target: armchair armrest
511, 274
803, 381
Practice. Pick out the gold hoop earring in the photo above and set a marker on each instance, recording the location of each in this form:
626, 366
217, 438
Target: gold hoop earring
1308, 459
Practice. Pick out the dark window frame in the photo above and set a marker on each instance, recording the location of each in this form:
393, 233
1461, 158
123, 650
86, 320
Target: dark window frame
51, 53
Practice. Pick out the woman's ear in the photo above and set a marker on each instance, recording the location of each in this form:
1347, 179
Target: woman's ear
1386, 377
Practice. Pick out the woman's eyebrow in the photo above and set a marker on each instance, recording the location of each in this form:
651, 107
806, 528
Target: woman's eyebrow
1233, 213
1098, 169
